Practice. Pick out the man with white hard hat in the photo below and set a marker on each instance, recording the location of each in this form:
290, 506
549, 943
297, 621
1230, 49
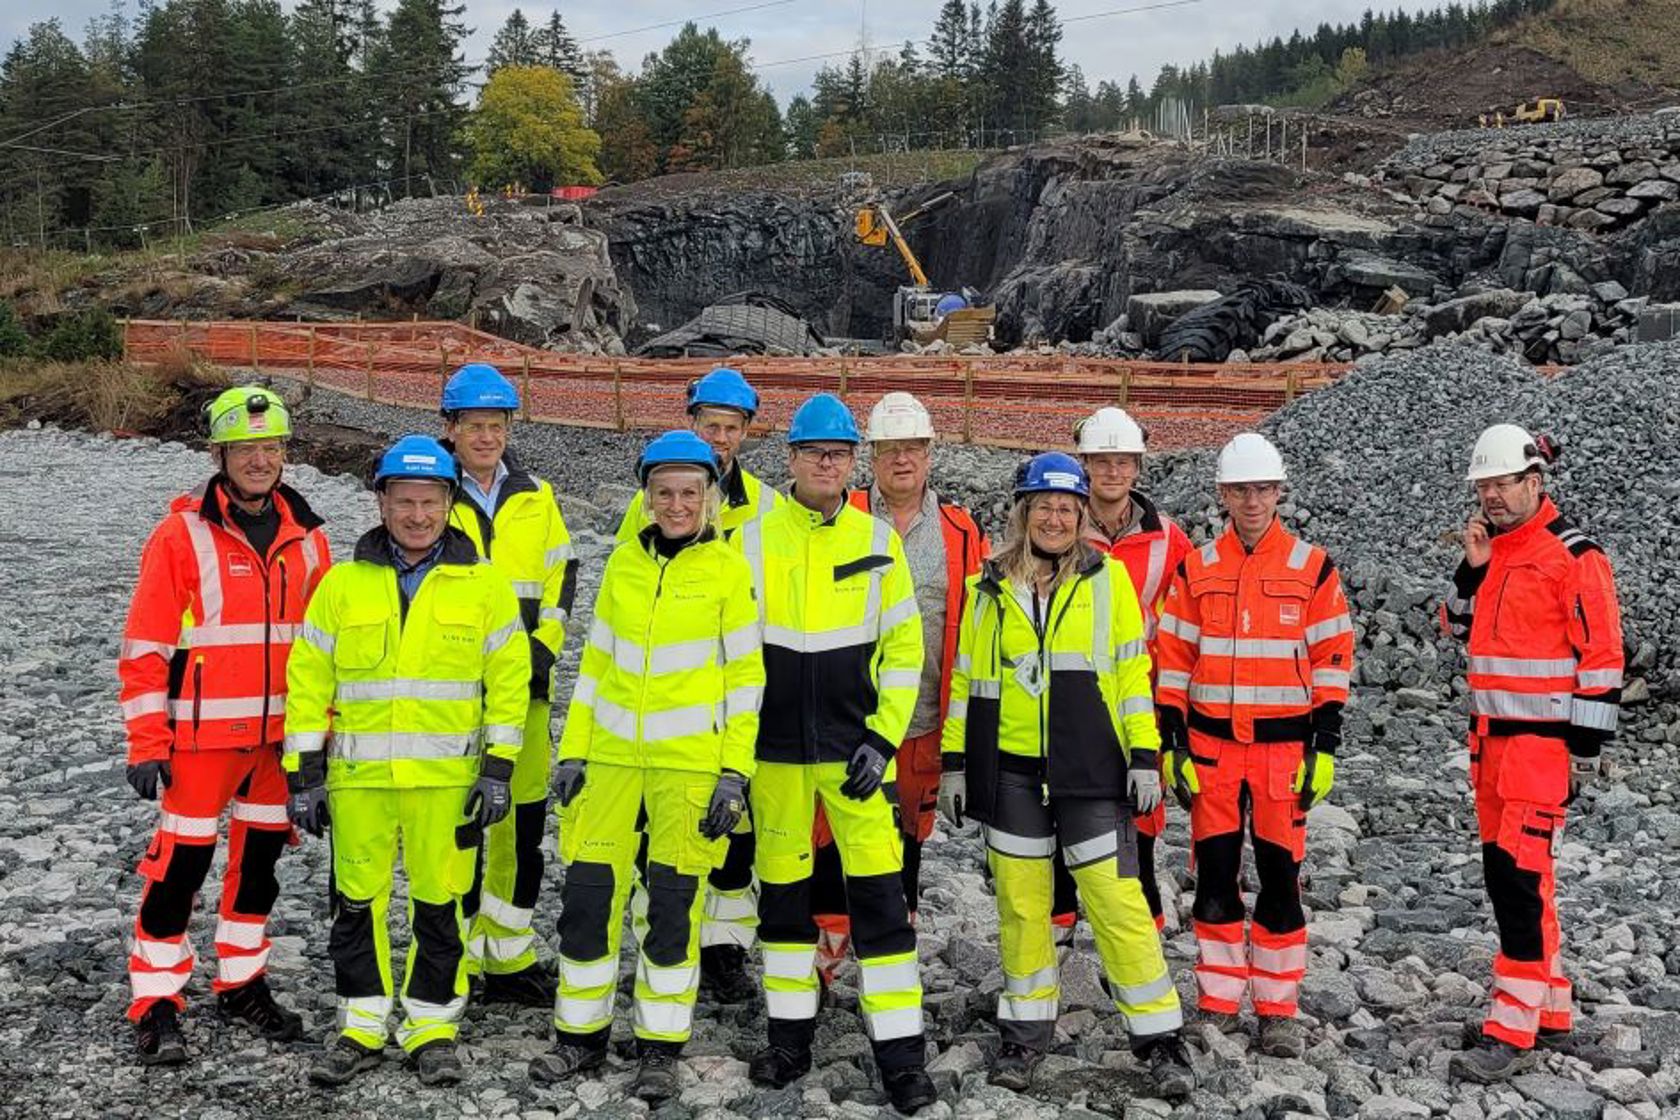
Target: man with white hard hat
1126, 525
1534, 601
1255, 651
944, 546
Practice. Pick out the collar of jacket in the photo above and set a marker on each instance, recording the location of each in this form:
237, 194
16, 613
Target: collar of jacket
1148, 521
1512, 539
734, 485
647, 535
992, 578
807, 518
1272, 540
374, 547
212, 498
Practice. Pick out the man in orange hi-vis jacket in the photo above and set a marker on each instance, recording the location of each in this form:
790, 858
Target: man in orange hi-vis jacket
1535, 602
1255, 649
224, 580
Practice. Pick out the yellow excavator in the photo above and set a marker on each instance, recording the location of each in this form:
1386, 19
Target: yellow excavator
1537, 111
921, 314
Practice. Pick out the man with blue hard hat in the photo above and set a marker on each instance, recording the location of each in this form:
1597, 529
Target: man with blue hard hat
721, 407
514, 521
843, 661
408, 688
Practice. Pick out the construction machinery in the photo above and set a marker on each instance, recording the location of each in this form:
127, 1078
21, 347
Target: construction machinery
922, 314
1538, 111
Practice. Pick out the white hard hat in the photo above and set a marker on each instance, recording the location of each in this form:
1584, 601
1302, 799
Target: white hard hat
1249, 457
1109, 429
899, 416
1501, 450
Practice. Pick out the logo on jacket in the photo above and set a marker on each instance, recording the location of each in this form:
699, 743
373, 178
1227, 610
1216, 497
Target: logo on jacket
1289, 614
239, 565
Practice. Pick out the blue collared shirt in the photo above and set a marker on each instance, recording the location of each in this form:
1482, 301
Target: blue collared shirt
486, 499
409, 576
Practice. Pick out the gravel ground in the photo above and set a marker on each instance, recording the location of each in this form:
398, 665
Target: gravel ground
1401, 937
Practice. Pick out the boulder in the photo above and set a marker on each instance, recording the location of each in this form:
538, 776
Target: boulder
1523, 202
1369, 270
1457, 314
1620, 207
1629, 173
1148, 313
1660, 190
1571, 182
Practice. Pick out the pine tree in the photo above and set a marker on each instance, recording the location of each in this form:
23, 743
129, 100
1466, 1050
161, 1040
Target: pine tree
419, 72
554, 46
949, 47
514, 45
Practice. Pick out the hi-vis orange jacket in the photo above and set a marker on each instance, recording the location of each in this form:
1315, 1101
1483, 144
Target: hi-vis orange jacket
1257, 647
1544, 634
1151, 555
210, 626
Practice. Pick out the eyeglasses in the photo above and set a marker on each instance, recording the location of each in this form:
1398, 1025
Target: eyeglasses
910, 450
828, 457
1246, 490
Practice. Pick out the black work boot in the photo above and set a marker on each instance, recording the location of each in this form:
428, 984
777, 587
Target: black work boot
437, 1063
1014, 1067
656, 1071
532, 986
910, 1090
776, 1066
570, 1058
253, 1004
1170, 1067
343, 1061
157, 1036
1490, 1061
724, 975
1282, 1038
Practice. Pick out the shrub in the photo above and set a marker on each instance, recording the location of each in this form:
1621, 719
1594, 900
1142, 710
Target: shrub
84, 336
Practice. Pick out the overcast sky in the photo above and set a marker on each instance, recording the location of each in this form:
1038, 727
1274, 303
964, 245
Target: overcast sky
1113, 44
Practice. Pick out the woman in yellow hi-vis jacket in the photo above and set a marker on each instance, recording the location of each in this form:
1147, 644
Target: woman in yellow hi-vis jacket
1051, 742
660, 730
405, 710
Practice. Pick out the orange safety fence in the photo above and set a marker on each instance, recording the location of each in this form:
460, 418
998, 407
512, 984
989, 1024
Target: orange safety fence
1004, 400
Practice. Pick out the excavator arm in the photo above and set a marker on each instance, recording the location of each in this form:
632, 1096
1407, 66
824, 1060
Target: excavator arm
876, 226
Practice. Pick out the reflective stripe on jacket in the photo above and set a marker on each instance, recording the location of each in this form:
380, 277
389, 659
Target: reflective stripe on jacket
1544, 634
673, 674
526, 539
410, 693
1093, 707
203, 658
842, 633
745, 498
1256, 645
1151, 555
966, 549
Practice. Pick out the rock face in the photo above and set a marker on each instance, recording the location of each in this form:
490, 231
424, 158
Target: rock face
534, 275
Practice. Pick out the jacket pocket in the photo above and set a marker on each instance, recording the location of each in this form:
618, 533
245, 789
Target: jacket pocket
460, 636
1534, 768
697, 855
1216, 604
361, 639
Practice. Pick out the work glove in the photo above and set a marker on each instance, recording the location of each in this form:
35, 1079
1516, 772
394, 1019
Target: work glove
491, 799
1314, 777
306, 803
1143, 782
729, 802
1582, 773
1175, 757
568, 780
542, 670
953, 796
864, 773
148, 777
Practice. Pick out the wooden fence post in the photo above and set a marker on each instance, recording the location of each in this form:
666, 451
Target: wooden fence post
127, 324
1291, 385
369, 370
842, 393
968, 401
525, 388
618, 395
1125, 384
311, 356
256, 357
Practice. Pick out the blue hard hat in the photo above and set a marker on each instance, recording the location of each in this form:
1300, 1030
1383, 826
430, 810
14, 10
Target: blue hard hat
948, 303
1051, 473
676, 448
417, 457
723, 388
479, 385
823, 417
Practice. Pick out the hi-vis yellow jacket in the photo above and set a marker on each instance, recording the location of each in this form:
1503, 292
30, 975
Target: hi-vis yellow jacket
842, 633
745, 498
526, 538
673, 674
1065, 697
408, 695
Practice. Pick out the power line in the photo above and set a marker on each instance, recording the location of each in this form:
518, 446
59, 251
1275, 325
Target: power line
687, 20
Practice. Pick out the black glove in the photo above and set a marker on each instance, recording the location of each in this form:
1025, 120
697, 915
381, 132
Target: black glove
542, 670
568, 780
729, 801
306, 806
864, 773
148, 777
1175, 755
490, 798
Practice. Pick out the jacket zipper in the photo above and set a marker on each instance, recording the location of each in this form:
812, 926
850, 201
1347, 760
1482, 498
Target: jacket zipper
198, 694
647, 657
1581, 615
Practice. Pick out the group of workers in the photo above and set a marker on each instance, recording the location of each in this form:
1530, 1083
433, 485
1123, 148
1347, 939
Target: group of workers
776, 694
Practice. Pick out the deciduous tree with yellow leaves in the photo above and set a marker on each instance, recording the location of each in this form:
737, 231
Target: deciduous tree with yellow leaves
528, 128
